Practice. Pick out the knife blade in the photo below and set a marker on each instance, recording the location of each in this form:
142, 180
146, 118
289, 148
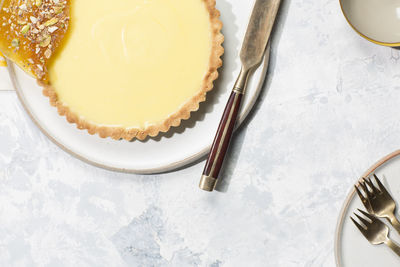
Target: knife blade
253, 50
258, 32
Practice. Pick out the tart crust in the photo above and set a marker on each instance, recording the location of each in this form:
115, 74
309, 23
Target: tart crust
174, 119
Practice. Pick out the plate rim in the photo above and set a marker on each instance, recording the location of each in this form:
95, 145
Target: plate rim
157, 170
351, 194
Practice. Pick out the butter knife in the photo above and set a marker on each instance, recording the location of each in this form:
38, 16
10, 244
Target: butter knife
253, 50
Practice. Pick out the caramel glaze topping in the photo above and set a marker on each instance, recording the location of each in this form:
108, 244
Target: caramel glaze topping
31, 31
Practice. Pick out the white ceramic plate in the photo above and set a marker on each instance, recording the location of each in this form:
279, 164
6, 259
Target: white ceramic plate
169, 151
351, 248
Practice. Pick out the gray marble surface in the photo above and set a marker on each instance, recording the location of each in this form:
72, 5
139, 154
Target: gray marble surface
330, 108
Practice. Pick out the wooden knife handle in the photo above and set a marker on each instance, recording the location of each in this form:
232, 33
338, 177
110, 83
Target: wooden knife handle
225, 130
221, 142
224, 133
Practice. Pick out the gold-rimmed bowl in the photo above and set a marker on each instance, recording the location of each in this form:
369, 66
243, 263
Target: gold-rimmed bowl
377, 21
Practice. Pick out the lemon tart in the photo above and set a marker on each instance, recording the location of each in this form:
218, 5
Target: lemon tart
121, 69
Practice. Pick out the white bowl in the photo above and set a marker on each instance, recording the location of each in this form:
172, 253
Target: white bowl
376, 20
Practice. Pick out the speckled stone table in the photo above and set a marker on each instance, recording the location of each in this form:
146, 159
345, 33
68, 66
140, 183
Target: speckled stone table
329, 109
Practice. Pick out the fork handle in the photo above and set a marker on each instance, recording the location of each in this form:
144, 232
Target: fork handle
393, 246
395, 223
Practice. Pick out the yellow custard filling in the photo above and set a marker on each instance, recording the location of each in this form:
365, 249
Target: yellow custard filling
132, 63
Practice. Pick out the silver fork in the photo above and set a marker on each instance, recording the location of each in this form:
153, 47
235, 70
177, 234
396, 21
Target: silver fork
378, 201
375, 231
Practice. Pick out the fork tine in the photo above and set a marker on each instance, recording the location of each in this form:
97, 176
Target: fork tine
371, 185
364, 221
366, 214
365, 189
362, 230
363, 199
360, 195
362, 185
381, 186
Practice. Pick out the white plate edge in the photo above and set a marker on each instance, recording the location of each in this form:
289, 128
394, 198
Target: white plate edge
339, 224
164, 169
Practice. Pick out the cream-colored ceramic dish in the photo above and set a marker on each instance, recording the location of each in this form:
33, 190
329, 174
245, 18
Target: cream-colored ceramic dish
376, 20
351, 248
